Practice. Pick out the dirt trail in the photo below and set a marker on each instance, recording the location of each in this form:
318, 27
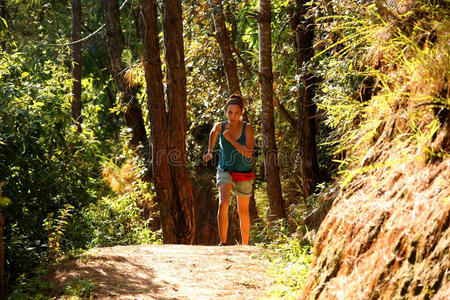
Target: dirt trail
170, 272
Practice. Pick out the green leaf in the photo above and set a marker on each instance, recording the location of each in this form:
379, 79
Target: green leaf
4, 22
4, 201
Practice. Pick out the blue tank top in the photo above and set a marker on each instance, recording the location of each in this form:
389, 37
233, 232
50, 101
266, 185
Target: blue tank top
230, 158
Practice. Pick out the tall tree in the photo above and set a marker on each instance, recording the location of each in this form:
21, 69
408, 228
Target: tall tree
223, 39
272, 170
3, 14
76, 63
114, 37
303, 27
176, 99
2, 257
158, 119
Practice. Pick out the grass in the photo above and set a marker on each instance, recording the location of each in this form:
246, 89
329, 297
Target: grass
288, 255
289, 266
80, 288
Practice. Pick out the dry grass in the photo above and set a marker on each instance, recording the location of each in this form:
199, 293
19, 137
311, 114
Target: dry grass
387, 234
119, 178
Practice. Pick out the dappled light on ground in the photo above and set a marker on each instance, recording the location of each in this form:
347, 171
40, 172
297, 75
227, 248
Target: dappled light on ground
169, 272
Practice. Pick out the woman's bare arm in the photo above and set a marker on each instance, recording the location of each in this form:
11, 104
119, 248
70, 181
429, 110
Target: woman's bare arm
243, 149
212, 140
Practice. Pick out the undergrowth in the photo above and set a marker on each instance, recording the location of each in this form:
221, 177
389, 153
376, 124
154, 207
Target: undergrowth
289, 265
386, 82
124, 217
288, 255
120, 218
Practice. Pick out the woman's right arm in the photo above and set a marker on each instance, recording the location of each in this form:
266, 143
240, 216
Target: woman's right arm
212, 140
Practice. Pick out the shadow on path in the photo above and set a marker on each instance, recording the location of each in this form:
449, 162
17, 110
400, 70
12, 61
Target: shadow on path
168, 272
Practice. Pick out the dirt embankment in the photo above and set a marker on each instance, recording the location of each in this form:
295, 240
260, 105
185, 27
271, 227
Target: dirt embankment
168, 272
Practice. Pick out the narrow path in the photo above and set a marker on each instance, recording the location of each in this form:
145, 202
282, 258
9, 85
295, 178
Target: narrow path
170, 272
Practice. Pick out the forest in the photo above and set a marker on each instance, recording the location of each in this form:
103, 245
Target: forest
106, 108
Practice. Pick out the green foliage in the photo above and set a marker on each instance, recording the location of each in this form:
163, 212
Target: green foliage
81, 288
290, 263
35, 288
289, 257
56, 229
112, 221
265, 233
45, 165
4, 201
52, 174
399, 60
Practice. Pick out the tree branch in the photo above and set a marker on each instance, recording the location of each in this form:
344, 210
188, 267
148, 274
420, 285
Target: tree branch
285, 114
249, 69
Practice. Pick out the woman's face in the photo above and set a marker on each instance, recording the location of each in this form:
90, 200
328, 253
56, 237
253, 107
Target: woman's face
234, 113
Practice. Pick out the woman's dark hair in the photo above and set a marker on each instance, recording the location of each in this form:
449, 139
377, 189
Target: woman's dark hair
235, 99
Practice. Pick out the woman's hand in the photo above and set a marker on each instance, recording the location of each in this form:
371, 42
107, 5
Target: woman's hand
227, 135
207, 157
247, 152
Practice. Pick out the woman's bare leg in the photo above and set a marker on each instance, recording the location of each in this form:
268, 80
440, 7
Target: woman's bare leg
222, 214
244, 218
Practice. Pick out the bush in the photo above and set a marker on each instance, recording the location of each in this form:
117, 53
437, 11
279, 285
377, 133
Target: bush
112, 221
44, 164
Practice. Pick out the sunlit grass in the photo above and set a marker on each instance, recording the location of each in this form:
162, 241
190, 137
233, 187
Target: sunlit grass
289, 265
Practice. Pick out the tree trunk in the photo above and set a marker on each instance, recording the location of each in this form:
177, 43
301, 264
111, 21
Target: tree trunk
3, 14
304, 32
76, 64
2, 259
176, 99
158, 119
307, 146
223, 39
133, 113
3, 9
272, 172
136, 13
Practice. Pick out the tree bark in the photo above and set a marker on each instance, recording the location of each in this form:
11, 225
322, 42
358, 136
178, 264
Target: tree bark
223, 39
76, 64
2, 259
114, 38
3, 9
304, 32
158, 119
272, 172
3, 14
176, 99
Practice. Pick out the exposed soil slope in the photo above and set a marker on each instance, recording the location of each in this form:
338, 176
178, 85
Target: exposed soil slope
169, 272
386, 239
